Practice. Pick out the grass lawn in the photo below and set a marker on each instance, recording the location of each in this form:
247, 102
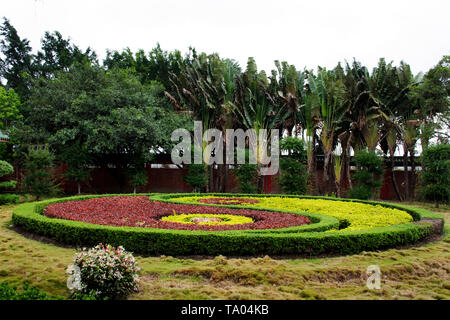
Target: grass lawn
413, 273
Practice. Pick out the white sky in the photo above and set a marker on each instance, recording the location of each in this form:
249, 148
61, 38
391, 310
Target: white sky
304, 33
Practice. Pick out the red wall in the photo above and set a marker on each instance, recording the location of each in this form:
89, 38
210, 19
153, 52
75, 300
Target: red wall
111, 180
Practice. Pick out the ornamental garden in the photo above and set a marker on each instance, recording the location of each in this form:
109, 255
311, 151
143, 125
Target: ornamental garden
182, 224
92, 207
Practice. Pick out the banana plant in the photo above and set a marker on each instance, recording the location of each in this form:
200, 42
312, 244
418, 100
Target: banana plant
206, 87
328, 99
256, 105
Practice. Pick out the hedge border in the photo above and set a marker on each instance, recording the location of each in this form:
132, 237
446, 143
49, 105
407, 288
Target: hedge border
235, 243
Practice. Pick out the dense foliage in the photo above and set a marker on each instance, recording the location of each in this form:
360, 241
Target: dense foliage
435, 176
119, 113
27, 292
5, 170
369, 168
196, 177
39, 180
293, 174
247, 177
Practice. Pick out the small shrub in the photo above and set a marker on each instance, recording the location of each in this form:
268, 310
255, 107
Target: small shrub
369, 164
138, 179
360, 192
247, 175
196, 177
435, 175
6, 169
293, 177
27, 293
293, 174
77, 159
9, 198
38, 174
104, 272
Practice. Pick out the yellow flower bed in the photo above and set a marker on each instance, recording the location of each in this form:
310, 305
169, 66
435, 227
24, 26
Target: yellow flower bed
224, 219
360, 216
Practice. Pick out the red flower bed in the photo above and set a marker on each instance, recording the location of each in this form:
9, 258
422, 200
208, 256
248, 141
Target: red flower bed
137, 211
228, 201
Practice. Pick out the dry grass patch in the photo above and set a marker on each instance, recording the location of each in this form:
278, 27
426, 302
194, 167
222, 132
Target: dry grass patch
411, 273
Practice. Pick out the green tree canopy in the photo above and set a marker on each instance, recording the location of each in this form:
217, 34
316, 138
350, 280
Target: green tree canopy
110, 114
9, 108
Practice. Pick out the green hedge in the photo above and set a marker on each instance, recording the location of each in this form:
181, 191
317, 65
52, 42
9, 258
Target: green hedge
7, 198
297, 240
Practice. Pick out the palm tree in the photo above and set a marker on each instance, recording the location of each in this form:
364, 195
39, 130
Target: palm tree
328, 98
391, 86
206, 86
256, 107
287, 85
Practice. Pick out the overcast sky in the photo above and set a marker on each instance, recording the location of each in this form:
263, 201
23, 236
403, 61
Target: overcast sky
304, 33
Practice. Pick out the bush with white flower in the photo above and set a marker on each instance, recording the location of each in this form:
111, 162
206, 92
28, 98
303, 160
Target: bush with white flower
103, 271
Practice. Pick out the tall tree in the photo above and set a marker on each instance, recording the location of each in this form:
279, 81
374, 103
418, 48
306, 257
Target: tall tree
9, 108
257, 108
157, 65
16, 65
432, 101
206, 87
328, 99
109, 114
58, 54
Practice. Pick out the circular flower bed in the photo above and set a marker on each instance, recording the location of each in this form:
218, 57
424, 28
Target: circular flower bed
280, 224
138, 211
229, 201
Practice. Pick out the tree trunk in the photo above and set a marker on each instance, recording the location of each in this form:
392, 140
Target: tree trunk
326, 174
413, 175
216, 179
134, 190
348, 169
394, 181
405, 166
208, 173
79, 188
225, 179
311, 177
345, 160
211, 178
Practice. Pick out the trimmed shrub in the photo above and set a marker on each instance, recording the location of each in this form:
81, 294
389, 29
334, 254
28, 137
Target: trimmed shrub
6, 169
435, 176
9, 198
